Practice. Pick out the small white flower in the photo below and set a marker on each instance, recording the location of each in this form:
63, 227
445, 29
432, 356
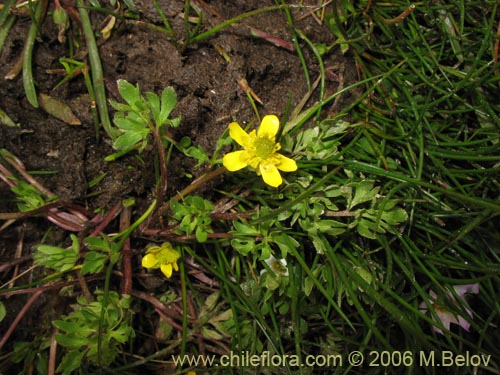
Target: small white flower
446, 317
278, 266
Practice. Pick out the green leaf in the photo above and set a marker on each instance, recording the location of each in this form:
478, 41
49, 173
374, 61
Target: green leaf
174, 123
55, 257
120, 107
244, 229
60, 16
129, 124
130, 93
73, 328
3, 311
211, 334
28, 197
198, 153
130, 5
48, 250
201, 235
222, 317
270, 282
285, 242
395, 216
75, 243
72, 340
168, 102
97, 243
243, 245
210, 303
265, 250
154, 105
94, 256
94, 262
366, 228
70, 362
6, 120
128, 140
331, 227
364, 192
121, 334
362, 272
177, 208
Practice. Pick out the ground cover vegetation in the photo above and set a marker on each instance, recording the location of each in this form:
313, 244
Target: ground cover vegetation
186, 180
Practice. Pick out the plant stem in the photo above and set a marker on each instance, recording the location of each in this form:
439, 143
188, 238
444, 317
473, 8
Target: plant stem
90, 89
184, 308
239, 18
4, 30
96, 68
4, 13
19, 316
126, 286
162, 186
196, 184
28, 82
300, 55
168, 27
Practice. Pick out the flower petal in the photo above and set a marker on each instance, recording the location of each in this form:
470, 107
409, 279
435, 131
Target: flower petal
170, 255
269, 127
167, 270
149, 261
461, 290
176, 266
446, 318
423, 306
269, 261
286, 164
238, 134
271, 175
236, 160
278, 266
463, 323
153, 250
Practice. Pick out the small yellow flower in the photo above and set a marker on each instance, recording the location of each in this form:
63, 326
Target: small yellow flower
163, 257
260, 151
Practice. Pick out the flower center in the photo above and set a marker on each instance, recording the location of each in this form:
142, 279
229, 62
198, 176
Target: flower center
264, 147
167, 255
278, 268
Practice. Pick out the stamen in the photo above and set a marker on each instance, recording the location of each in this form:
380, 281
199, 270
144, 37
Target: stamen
264, 147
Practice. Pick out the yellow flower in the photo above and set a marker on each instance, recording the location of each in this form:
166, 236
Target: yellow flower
163, 257
260, 151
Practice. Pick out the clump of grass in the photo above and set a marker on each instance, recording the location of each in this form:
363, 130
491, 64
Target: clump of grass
390, 208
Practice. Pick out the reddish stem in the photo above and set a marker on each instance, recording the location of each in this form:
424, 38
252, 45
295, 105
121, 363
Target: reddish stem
169, 320
52, 353
19, 316
45, 287
12, 263
19, 166
107, 219
157, 304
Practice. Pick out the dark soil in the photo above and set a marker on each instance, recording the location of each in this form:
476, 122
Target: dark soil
209, 97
